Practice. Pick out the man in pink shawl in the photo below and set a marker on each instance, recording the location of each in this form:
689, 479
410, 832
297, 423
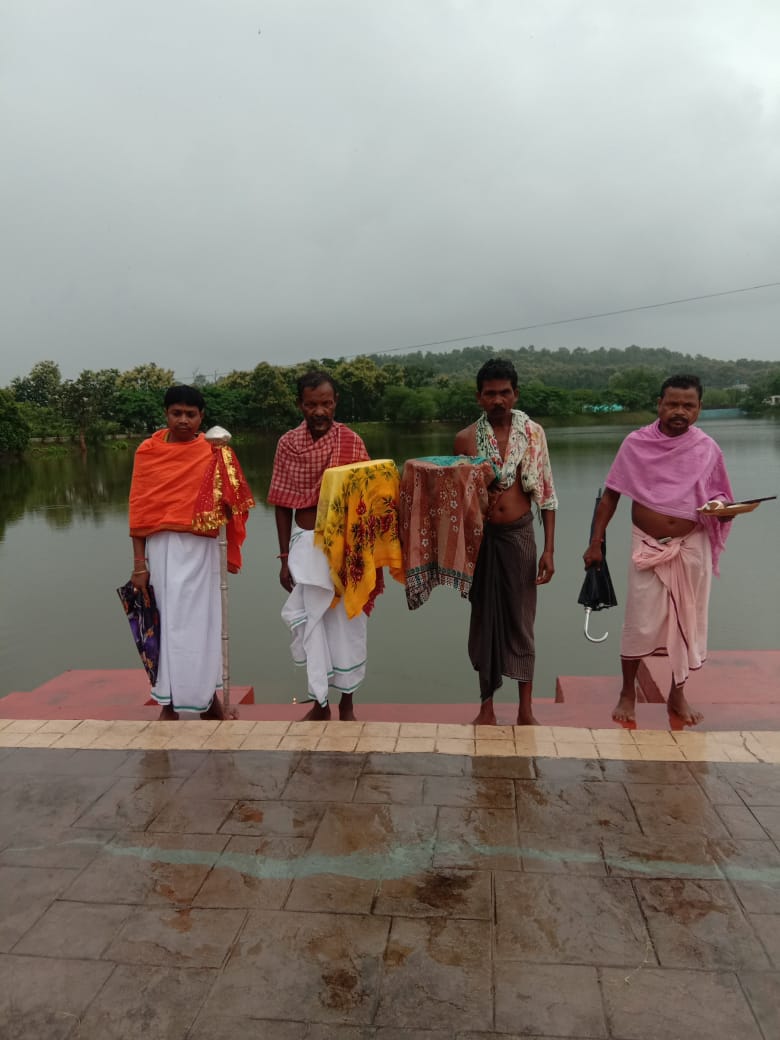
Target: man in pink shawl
669, 469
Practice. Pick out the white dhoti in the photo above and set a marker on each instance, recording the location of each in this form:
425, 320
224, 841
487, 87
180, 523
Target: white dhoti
184, 572
668, 600
331, 645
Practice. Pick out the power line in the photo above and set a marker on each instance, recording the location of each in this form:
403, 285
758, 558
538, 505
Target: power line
569, 321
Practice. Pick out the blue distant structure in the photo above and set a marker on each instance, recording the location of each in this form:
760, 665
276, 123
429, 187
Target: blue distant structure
601, 408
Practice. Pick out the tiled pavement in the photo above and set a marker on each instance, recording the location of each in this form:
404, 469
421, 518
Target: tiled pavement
438, 883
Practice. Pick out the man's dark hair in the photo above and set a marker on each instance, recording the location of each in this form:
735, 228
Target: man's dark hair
183, 394
497, 368
682, 382
311, 380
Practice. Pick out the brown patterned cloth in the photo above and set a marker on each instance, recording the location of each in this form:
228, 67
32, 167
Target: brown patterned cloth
442, 503
503, 605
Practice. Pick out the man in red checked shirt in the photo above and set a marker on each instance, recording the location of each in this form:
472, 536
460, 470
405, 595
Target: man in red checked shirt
331, 645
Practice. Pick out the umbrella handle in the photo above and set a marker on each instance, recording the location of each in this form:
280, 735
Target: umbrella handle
588, 636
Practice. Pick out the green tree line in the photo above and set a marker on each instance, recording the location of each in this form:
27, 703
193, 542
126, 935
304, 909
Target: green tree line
406, 388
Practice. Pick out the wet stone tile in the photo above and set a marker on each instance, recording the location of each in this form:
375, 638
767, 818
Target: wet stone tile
755, 783
575, 853
35, 761
130, 803
679, 809
252, 872
397, 789
74, 930
183, 815
42, 999
158, 764
569, 770
713, 783
665, 855
144, 1003
25, 894
219, 1025
241, 775
549, 1000
767, 928
192, 938
148, 868
307, 967
437, 893
549, 918
698, 924
324, 777
364, 835
417, 764
48, 801
509, 767
763, 993
483, 838
332, 893
468, 792
670, 1004
753, 867
769, 821
635, 772
75, 847
742, 823
557, 809
437, 975
293, 819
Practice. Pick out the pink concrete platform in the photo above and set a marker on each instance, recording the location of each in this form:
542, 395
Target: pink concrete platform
735, 690
727, 677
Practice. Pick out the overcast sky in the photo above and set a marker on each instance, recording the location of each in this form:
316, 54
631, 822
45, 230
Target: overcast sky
212, 183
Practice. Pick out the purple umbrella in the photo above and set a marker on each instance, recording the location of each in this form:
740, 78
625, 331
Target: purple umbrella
144, 617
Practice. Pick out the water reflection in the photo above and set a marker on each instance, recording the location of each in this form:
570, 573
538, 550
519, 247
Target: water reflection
63, 525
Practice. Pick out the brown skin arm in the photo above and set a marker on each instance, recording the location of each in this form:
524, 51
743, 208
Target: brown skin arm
606, 510
284, 518
466, 441
139, 580
546, 565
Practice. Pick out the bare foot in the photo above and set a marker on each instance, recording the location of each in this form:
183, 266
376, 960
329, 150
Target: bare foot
346, 711
214, 710
317, 713
487, 716
676, 704
525, 717
167, 714
625, 709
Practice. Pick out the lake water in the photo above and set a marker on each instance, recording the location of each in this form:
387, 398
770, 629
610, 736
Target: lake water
64, 549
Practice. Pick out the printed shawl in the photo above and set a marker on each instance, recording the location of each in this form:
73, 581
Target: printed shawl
300, 462
189, 487
526, 451
442, 503
674, 476
357, 530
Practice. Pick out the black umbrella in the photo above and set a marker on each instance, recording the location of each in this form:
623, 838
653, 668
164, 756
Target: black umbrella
144, 618
597, 592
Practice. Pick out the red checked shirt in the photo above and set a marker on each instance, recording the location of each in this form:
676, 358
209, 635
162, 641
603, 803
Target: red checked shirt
300, 462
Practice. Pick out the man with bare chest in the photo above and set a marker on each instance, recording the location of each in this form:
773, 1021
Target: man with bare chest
669, 470
503, 592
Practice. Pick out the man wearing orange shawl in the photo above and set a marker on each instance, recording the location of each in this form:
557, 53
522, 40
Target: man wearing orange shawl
330, 644
182, 491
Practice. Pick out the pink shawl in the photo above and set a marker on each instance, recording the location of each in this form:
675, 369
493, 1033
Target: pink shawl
674, 476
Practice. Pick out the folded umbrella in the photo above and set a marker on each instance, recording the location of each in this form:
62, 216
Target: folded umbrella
597, 592
144, 618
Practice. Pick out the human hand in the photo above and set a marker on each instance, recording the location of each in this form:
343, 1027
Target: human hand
593, 555
285, 578
546, 568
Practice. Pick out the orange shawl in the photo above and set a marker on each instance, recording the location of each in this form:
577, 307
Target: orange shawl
188, 487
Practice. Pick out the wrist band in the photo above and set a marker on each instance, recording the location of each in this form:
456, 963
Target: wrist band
145, 570
282, 556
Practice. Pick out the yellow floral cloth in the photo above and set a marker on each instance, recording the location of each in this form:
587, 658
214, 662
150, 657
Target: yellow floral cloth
357, 529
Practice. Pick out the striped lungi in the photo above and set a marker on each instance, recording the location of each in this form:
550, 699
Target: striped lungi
503, 605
